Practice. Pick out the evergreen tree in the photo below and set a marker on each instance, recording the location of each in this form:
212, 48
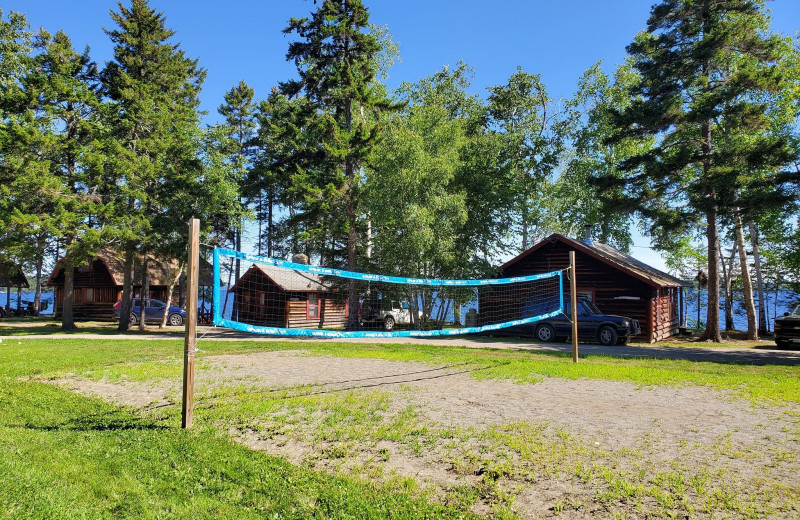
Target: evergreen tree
699, 60
61, 89
337, 60
239, 113
153, 88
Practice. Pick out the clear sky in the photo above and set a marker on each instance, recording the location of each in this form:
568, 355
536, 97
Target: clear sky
242, 39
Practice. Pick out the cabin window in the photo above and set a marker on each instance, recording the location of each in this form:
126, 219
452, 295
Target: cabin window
312, 311
89, 294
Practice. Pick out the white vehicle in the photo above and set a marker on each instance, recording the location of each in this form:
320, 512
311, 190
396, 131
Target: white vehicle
386, 312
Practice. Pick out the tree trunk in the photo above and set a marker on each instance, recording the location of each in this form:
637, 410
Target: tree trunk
712, 332
67, 318
145, 292
172, 281
727, 282
37, 299
762, 302
747, 284
127, 291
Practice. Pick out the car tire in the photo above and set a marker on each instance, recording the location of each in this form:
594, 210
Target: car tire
133, 321
388, 324
175, 320
607, 336
545, 333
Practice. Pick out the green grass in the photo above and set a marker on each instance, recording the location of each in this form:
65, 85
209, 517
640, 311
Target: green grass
67, 456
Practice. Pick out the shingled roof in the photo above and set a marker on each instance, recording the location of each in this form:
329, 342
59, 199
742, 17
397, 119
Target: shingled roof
288, 280
605, 253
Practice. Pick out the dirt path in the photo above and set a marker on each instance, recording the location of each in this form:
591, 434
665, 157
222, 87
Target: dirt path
631, 436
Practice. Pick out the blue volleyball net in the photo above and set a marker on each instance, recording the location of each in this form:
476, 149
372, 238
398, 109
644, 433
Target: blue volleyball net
264, 295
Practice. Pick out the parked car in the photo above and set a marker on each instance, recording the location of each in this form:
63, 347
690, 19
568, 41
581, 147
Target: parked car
787, 328
385, 312
593, 325
153, 312
2, 312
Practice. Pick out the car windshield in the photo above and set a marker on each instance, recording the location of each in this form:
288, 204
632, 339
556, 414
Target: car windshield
796, 310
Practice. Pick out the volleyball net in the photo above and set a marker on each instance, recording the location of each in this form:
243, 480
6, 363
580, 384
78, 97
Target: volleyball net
280, 298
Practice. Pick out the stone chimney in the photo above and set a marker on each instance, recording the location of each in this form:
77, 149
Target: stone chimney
299, 258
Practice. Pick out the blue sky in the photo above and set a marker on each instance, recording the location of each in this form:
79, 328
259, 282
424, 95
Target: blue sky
242, 40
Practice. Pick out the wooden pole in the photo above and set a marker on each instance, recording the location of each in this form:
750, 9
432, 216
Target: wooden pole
573, 293
190, 343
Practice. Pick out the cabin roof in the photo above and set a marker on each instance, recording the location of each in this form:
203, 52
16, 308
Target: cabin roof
158, 271
11, 275
610, 256
288, 280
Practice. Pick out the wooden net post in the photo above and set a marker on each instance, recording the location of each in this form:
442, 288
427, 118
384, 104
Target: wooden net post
190, 343
573, 293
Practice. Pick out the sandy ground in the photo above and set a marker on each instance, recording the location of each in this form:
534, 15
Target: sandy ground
692, 430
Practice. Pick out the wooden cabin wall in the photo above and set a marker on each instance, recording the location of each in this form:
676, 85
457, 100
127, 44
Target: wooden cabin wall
666, 316
94, 293
332, 314
613, 291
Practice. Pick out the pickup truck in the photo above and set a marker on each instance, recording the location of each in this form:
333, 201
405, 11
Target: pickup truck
787, 328
385, 312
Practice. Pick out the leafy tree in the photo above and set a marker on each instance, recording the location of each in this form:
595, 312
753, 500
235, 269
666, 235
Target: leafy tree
534, 131
153, 88
698, 61
574, 198
337, 59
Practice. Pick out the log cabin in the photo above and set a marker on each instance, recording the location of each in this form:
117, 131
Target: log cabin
616, 282
98, 285
275, 297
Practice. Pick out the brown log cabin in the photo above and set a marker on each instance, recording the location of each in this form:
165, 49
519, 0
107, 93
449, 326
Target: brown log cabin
275, 297
98, 285
616, 282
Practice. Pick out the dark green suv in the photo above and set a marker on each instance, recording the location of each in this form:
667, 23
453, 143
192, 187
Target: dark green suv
787, 329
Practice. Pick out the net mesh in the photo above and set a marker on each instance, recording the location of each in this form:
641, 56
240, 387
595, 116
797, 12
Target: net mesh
282, 298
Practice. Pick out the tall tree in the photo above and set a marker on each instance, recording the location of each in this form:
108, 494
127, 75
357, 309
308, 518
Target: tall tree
240, 123
62, 88
534, 133
153, 88
699, 60
337, 59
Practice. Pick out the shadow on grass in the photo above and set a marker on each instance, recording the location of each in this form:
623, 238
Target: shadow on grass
97, 422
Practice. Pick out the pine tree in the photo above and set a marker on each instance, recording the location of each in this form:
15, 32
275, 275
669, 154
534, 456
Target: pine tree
699, 61
62, 91
337, 60
153, 88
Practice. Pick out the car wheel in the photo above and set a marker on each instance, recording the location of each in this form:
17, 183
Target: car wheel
175, 319
133, 321
388, 323
607, 336
545, 333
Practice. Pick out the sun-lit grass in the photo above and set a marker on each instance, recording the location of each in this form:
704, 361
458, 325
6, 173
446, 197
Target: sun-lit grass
95, 460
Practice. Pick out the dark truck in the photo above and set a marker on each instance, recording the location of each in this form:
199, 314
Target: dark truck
593, 325
787, 329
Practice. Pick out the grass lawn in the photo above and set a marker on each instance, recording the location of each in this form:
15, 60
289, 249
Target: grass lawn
69, 456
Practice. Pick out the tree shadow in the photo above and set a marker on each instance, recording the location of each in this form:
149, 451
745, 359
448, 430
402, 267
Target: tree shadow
104, 421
